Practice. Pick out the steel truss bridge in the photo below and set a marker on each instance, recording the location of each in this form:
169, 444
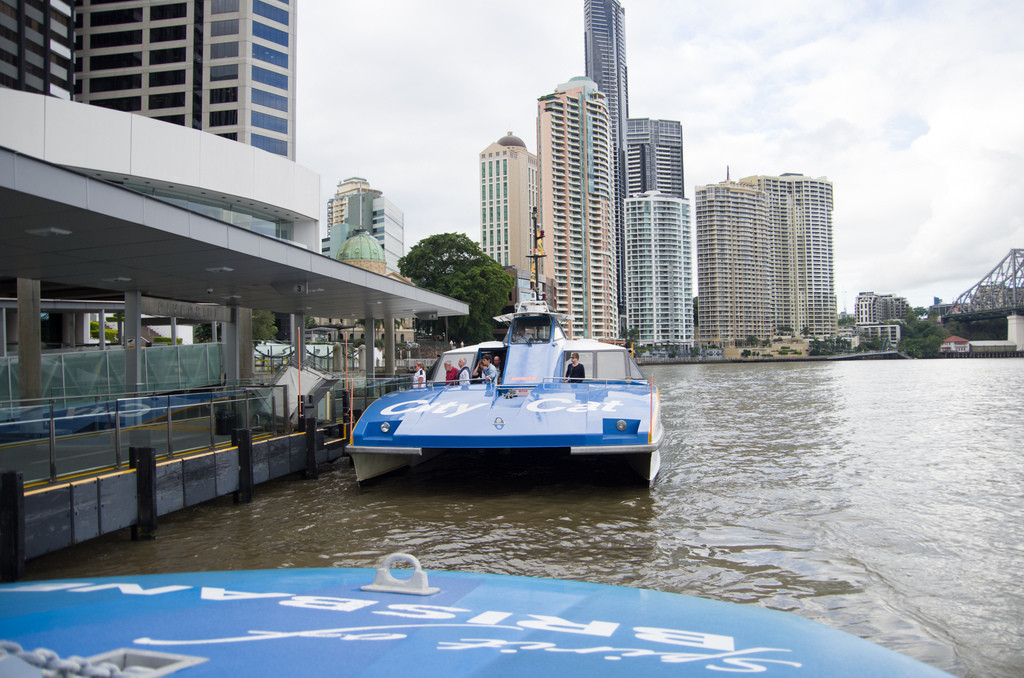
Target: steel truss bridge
997, 295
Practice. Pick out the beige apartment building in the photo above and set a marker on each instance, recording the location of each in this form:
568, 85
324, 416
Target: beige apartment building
733, 264
509, 181
764, 258
577, 207
802, 277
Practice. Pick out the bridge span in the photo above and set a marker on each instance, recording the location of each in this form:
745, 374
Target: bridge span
1000, 294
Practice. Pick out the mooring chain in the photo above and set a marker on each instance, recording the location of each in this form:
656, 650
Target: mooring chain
52, 666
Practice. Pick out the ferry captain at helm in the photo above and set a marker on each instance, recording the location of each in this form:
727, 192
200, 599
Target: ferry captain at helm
574, 371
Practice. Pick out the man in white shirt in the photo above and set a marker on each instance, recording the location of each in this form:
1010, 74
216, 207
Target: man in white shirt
419, 377
463, 372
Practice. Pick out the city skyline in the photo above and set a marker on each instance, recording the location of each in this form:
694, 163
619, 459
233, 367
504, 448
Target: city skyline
922, 163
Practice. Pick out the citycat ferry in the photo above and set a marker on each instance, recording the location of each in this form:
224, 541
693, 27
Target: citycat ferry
613, 410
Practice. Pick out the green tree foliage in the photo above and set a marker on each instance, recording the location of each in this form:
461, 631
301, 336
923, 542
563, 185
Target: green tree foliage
264, 326
921, 338
453, 265
848, 320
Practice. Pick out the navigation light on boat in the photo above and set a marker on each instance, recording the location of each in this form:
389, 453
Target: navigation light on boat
621, 425
385, 427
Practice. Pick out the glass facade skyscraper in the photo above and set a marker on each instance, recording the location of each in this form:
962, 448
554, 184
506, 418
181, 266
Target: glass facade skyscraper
223, 66
605, 50
36, 46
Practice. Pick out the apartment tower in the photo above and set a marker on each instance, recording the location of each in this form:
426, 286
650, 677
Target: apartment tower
734, 264
659, 277
800, 225
509, 181
605, 55
654, 157
222, 66
574, 147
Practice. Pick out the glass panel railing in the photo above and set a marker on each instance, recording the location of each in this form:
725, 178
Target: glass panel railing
190, 422
85, 437
143, 424
25, 441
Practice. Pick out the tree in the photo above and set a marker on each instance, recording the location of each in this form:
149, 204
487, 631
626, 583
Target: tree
848, 320
264, 325
453, 265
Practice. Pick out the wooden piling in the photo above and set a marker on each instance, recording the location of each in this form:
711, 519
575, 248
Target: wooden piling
12, 526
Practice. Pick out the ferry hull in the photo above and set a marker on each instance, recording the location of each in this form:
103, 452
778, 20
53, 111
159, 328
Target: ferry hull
405, 428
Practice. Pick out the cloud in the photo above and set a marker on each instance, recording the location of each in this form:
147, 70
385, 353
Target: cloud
910, 108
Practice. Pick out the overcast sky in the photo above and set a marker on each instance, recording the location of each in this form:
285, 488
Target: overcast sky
914, 110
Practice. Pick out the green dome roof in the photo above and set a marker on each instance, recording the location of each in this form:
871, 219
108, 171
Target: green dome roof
361, 246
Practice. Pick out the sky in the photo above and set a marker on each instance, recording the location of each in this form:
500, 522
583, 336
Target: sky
913, 110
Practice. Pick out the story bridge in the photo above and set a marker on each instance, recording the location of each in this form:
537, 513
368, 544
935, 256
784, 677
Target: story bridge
1000, 294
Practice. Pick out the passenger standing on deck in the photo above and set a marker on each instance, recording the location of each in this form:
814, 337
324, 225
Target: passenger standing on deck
575, 371
451, 374
497, 366
490, 374
419, 377
478, 371
463, 372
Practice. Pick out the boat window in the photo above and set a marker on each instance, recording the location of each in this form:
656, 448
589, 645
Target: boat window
531, 330
606, 364
438, 373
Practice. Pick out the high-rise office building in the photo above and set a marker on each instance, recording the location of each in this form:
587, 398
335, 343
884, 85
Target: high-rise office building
357, 207
509, 181
654, 157
605, 49
36, 42
659, 278
577, 207
803, 279
734, 264
222, 66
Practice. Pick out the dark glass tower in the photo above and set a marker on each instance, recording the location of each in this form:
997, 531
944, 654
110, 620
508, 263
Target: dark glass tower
605, 47
37, 55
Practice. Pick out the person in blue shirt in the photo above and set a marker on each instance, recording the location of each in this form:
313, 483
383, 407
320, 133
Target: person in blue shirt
490, 375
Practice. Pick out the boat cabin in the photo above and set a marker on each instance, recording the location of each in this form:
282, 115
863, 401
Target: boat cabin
536, 350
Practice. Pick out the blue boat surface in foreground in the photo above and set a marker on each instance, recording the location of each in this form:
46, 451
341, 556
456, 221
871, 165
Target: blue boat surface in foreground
323, 622
531, 404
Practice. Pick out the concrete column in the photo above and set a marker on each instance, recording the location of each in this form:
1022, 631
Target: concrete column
389, 346
174, 331
30, 349
1015, 330
368, 348
67, 330
81, 329
132, 341
103, 329
243, 323
3, 332
231, 350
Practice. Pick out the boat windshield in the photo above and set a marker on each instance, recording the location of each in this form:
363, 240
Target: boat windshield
531, 330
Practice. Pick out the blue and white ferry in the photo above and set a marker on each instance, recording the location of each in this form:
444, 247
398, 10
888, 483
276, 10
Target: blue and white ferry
614, 410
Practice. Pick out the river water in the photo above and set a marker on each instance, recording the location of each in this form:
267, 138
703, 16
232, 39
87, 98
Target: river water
882, 498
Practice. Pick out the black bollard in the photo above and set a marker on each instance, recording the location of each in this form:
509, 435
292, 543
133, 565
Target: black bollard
242, 438
311, 472
12, 526
143, 460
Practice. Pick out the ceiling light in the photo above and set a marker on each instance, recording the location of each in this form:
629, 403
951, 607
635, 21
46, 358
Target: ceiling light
118, 279
220, 269
47, 232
